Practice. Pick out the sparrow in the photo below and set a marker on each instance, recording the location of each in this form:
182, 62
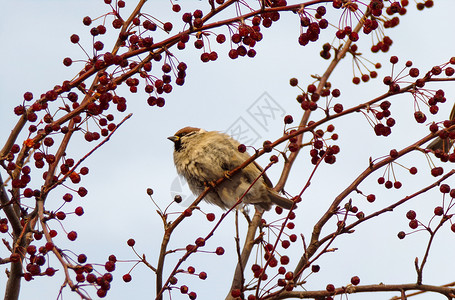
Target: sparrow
202, 157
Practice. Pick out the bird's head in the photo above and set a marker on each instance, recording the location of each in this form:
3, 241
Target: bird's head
181, 135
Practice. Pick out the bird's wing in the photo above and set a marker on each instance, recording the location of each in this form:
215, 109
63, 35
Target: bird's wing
267, 180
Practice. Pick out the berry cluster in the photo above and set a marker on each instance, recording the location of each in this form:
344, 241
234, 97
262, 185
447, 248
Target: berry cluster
381, 115
313, 25
320, 150
361, 63
443, 212
309, 98
272, 259
387, 180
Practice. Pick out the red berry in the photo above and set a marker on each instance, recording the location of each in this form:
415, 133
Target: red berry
50, 271
355, 280
72, 235
117, 23
188, 212
19, 110
420, 117
167, 26
67, 197
79, 211
233, 54
219, 251
186, 17
31, 249
210, 217
183, 289
109, 266
285, 244
127, 278
371, 198
449, 71
98, 46
67, 61
393, 59
176, 8
388, 184
330, 288
82, 191
413, 224
293, 238
84, 171
284, 260
221, 38
293, 81
354, 36
82, 258
101, 293
60, 215
288, 119
444, 188
131, 242
91, 278
315, 268
393, 153
200, 242
49, 245
338, 108
437, 171
75, 178
289, 276
278, 210
411, 215
87, 21
439, 211
236, 293
414, 72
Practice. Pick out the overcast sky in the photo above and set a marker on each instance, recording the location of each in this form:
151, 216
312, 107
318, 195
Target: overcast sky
218, 96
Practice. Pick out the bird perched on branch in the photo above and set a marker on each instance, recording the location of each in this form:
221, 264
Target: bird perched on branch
203, 156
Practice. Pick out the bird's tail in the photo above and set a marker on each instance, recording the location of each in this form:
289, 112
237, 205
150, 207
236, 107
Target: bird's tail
281, 201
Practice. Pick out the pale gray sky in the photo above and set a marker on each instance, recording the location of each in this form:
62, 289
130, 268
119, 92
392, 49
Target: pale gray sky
35, 39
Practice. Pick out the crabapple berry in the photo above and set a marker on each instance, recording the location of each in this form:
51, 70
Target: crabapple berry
210, 217
72, 235
330, 288
219, 251
355, 280
127, 278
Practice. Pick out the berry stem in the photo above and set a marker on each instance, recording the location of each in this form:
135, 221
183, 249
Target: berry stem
322, 82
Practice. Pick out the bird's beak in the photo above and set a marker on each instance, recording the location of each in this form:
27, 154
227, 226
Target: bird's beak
173, 138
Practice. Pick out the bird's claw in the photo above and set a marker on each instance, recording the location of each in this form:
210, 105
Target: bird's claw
211, 184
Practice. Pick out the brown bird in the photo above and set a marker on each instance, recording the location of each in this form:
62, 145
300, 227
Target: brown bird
204, 156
